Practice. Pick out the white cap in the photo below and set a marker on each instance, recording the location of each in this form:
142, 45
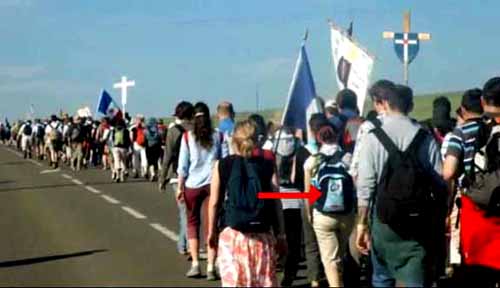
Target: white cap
331, 103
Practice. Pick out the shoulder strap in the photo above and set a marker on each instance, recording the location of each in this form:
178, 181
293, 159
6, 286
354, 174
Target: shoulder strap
376, 122
417, 141
186, 139
384, 139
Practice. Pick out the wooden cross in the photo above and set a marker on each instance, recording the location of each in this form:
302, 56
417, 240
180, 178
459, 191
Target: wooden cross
406, 42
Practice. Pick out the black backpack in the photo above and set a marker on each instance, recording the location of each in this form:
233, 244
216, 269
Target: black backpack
174, 160
404, 199
335, 184
27, 130
76, 133
485, 187
243, 210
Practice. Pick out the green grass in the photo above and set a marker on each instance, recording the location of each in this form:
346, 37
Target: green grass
422, 108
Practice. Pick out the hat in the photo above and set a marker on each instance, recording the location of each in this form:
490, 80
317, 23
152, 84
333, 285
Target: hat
331, 103
471, 101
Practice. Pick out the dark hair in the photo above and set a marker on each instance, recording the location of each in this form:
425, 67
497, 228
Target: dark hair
184, 110
53, 118
260, 128
491, 92
382, 90
331, 110
471, 101
441, 119
372, 115
321, 102
203, 125
347, 99
444, 103
403, 103
317, 121
327, 134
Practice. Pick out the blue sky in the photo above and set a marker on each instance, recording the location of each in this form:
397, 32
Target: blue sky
59, 54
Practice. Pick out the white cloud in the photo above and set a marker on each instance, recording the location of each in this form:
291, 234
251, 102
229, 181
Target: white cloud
20, 72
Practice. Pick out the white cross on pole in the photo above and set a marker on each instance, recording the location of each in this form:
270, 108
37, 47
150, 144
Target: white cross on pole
123, 85
405, 42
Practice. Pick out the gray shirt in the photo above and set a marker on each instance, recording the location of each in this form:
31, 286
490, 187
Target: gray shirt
373, 155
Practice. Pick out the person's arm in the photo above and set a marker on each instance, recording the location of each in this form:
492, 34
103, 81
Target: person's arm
366, 183
182, 169
307, 188
450, 167
213, 206
167, 156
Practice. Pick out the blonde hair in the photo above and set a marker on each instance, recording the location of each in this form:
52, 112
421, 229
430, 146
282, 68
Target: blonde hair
244, 138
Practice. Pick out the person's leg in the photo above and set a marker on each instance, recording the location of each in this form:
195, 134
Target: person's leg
116, 167
182, 243
329, 246
211, 252
381, 276
293, 228
313, 259
144, 162
193, 207
135, 160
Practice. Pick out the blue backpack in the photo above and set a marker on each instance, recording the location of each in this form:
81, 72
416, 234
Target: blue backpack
152, 136
335, 183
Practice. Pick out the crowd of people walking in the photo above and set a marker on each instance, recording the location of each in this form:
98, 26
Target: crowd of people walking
401, 202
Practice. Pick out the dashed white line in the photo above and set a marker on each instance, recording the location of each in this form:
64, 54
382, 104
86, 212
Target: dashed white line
92, 189
77, 182
50, 171
36, 162
66, 176
110, 199
134, 213
165, 231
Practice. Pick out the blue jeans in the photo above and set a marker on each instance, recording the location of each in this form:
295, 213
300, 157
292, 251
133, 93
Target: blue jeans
381, 276
182, 243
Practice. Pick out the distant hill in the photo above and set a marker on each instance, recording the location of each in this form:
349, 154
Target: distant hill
421, 111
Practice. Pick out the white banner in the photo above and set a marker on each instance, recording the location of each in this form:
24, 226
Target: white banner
352, 64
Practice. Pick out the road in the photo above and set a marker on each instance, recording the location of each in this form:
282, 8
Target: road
79, 229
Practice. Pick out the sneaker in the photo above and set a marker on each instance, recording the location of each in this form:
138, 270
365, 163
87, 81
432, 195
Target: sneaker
194, 272
212, 275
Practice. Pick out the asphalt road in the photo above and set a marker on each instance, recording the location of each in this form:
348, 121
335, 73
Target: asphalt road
79, 229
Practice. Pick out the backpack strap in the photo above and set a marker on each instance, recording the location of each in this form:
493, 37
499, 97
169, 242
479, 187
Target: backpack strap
417, 141
384, 139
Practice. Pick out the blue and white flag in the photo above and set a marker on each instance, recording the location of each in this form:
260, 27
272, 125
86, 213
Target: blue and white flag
106, 105
300, 95
406, 46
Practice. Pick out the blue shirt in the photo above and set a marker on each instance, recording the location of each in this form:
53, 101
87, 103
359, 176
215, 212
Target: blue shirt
226, 126
196, 162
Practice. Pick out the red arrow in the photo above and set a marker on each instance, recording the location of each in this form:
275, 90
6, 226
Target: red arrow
311, 196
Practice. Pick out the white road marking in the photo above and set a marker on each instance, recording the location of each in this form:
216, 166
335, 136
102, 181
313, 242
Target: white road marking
134, 213
66, 176
36, 162
92, 189
15, 152
110, 199
77, 182
165, 231
50, 171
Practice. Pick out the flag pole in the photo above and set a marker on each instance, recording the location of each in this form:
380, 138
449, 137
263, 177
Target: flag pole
304, 40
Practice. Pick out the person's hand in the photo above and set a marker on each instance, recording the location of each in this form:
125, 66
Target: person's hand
212, 240
179, 195
281, 245
363, 241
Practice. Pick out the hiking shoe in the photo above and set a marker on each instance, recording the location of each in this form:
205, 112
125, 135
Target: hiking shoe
212, 275
194, 272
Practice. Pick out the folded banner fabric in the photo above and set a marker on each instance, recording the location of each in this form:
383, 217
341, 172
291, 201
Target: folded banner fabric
353, 65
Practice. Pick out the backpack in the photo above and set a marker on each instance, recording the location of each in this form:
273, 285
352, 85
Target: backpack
119, 137
152, 136
350, 133
285, 152
335, 183
75, 133
243, 210
40, 132
27, 130
484, 190
174, 159
140, 137
55, 134
404, 193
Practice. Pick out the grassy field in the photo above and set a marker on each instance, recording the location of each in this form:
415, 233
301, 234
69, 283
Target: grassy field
422, 110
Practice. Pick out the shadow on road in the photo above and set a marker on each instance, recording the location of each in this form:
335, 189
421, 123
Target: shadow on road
31, 261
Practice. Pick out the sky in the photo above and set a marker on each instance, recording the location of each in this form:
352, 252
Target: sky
58, 54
